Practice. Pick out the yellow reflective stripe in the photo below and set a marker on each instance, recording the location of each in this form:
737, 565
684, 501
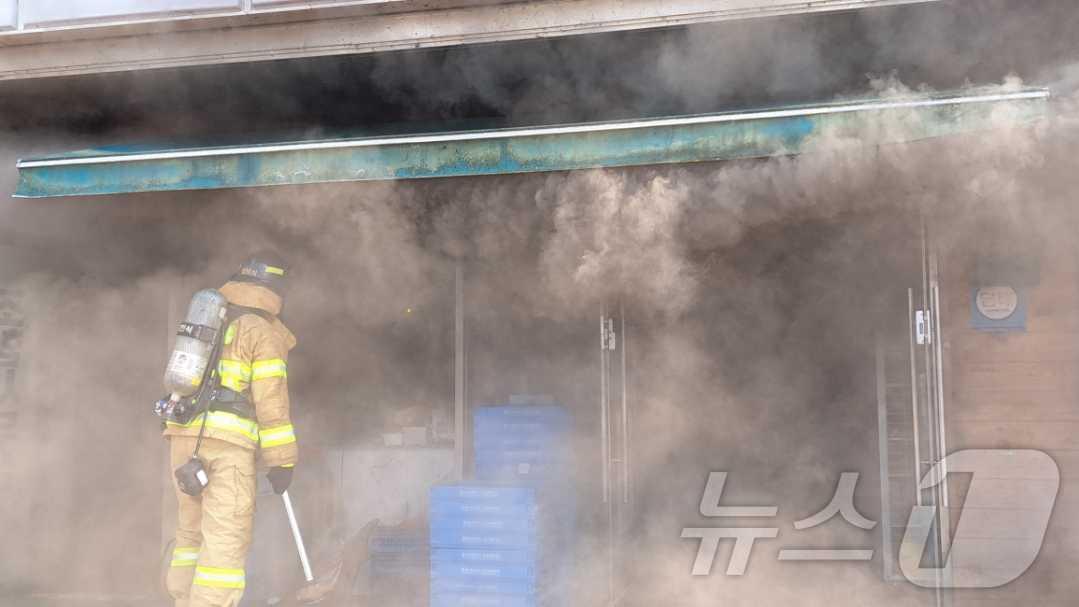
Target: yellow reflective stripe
230, 334
237, 368
217, 577
262, 369
275, 437
233, 383
275, 270
223, 420
235, 374
185, 557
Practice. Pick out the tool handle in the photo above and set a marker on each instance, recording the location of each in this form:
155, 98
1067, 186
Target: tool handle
296, 536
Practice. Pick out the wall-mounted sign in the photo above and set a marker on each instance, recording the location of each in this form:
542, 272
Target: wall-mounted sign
996, 303
998, 308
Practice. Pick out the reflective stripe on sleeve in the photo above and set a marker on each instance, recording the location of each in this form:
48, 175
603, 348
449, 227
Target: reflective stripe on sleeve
223, 420
263, 369
235, 367
275, 437
185, 557
233, 384
217, 577
235, 374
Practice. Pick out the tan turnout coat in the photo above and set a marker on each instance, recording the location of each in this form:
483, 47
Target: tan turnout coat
253, 361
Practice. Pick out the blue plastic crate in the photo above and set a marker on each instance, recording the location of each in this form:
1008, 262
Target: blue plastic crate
523, 472
520, 428
442, 599
508, 586
540, 436
493, 416
518, 468
502, 540
485, 524
488, 440
551, 426
554, 454
483, 493
446, 508
512, 411
441, 569
517, 415
453, 524
504, 557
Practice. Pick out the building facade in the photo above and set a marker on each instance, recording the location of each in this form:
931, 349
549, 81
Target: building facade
798, 272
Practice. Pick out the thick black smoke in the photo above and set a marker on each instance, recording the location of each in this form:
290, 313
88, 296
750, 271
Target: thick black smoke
752, 289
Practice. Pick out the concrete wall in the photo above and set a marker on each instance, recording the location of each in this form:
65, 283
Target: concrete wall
52, 46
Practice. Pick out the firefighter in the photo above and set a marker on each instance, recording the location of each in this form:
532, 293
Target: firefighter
250, 414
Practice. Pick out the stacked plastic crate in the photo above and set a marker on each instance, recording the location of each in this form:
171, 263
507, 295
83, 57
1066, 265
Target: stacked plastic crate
505, 539
522, 444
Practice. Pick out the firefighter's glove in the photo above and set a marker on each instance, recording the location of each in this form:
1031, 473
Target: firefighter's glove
280, 478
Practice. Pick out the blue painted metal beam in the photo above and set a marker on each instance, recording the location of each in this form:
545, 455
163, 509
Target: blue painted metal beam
558, 148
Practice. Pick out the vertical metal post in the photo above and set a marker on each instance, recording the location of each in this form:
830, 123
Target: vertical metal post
942, 433
943, 514
605, 443
459, 370
625, 408
932, 427
914, 400
604, 405
885, 466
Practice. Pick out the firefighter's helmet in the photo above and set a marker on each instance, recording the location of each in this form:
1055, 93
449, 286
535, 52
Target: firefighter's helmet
265, 268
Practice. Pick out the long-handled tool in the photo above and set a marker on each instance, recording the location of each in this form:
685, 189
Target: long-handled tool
299, 539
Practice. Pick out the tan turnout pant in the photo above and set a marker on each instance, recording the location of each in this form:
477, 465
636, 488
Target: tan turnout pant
213, 531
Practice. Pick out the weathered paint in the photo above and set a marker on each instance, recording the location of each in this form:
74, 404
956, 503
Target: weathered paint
405, 159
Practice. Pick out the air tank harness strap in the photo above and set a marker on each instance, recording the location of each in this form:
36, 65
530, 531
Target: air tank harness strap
236, 311
233, 402
224, 398
207, 398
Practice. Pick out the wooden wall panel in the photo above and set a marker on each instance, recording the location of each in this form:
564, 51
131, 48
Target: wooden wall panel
1020, 391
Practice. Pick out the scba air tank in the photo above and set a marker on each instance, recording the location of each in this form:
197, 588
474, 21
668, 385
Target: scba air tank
195, 342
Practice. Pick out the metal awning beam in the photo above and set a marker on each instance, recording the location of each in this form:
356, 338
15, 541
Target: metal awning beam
321, 29
552, 148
